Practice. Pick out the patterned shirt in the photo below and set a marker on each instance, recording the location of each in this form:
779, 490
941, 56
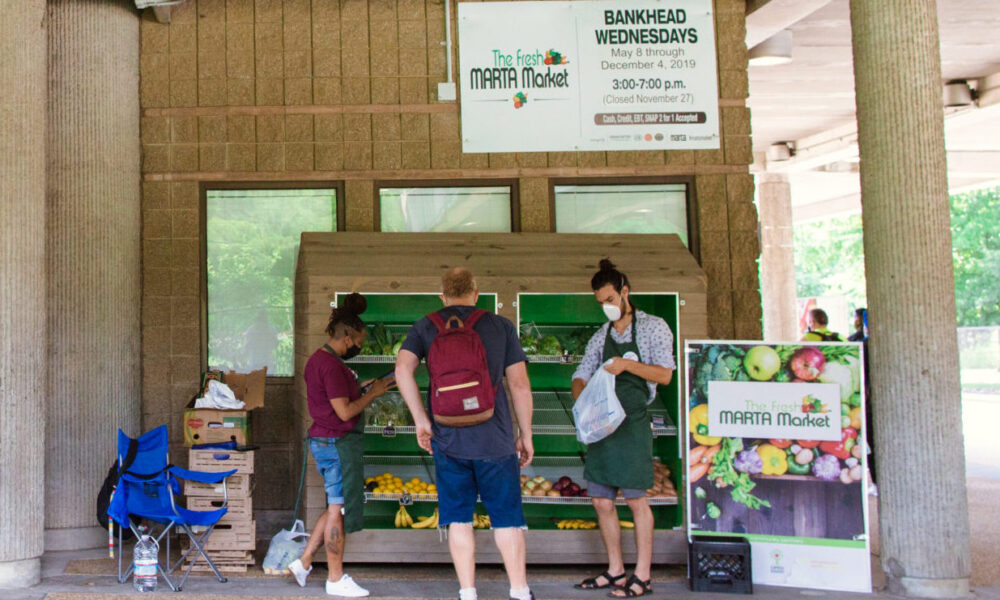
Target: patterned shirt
655, 341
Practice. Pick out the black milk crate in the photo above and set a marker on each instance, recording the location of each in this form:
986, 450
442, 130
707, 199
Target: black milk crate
720, 564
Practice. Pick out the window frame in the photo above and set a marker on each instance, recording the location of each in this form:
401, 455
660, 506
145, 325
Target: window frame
512, 184
690, 199
203, 188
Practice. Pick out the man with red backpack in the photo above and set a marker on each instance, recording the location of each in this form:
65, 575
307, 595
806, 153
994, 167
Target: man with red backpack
470, 430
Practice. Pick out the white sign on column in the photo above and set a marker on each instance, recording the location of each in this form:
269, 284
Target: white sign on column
585, 75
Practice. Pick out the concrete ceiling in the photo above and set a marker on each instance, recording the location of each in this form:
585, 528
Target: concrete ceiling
809, 102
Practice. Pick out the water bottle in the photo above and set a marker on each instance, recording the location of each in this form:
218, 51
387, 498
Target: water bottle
145, 562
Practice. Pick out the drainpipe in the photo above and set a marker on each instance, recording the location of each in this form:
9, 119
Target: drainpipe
446, 89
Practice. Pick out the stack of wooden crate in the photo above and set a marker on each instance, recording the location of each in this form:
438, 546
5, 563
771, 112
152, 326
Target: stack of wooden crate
232, 543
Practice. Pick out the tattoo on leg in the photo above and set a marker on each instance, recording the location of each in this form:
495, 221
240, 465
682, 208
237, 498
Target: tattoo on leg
332, 542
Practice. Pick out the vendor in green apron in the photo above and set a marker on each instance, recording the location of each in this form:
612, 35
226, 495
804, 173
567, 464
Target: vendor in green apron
640, 348
336, 441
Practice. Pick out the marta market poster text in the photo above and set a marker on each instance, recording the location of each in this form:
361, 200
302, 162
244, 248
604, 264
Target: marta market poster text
587, 75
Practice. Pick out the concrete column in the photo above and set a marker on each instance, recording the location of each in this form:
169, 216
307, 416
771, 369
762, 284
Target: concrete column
911, 295
22, 290
777, 264
93, 257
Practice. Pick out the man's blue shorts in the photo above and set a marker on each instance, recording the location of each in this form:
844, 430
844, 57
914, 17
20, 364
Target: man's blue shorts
328, 465
495, 481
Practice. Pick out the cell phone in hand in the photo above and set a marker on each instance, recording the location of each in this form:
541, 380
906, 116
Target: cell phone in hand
388, 376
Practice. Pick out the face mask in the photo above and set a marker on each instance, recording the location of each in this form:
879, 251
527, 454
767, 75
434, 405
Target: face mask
612, 311
352, 352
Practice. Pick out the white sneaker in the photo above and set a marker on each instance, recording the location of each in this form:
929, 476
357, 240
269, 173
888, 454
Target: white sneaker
345, 587
299, 571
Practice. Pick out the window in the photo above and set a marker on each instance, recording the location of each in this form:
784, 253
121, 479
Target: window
454, 209
622, 208
251, 246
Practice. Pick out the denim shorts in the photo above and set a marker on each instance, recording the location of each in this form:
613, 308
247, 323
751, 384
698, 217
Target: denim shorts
496, 482
328, 465
599, 490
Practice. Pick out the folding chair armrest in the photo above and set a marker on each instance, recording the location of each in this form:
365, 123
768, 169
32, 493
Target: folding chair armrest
200, 476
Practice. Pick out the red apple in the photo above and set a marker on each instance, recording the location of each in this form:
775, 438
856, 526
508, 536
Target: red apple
807, 363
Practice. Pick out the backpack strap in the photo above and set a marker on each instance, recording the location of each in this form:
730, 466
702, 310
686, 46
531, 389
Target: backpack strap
469, 322
133, 449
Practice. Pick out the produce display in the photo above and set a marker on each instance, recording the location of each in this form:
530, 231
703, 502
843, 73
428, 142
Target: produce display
663, 486
733, 463
389, 409
539, 486
387, 483
571, 342
576, 524
381, 341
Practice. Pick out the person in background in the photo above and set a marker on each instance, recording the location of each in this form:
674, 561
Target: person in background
817, 322
481, 460
640, 347
336, 441
860, 326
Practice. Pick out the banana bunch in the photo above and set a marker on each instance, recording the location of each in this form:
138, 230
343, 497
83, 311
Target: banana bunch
427, 522
627, 524
403, 518
480, 521
576, 524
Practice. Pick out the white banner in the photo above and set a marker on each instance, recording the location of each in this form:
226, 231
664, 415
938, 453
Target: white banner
588, 75
794, 411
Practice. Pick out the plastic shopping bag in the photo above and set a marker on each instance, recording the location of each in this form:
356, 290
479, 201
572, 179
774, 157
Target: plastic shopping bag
286, 546
597, 411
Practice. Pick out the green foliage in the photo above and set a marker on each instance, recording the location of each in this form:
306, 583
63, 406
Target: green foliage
252, 245
829, 259
975, 238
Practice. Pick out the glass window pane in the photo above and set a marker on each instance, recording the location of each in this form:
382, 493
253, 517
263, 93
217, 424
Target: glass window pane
252, 239
659, 208
459, 209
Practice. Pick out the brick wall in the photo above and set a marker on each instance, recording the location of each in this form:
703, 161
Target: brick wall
244, 90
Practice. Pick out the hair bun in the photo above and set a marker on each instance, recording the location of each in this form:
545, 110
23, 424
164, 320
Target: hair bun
606, 265
354, 304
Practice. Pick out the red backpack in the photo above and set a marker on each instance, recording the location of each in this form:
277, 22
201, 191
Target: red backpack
461, 392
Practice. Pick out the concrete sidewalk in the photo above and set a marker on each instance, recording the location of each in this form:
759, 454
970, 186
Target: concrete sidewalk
384, 581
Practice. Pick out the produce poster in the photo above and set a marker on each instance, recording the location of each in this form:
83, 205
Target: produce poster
587, 75
777, 454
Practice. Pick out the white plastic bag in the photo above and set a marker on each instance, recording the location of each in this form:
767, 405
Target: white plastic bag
286, 546
597, 411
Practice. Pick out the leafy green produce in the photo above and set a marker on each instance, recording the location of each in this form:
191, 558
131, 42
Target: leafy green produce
725, 475
549, 346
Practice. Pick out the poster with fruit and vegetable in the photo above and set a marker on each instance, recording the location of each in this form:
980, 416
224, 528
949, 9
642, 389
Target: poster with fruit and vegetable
776, 453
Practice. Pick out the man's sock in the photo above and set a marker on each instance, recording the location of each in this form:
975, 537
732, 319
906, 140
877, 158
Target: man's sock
467, 594
521, 594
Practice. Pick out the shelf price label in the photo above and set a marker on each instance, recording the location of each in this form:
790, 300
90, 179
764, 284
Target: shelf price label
405, 499
389, 431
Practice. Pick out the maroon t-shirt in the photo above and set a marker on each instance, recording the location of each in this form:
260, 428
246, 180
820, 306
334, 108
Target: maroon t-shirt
328, 377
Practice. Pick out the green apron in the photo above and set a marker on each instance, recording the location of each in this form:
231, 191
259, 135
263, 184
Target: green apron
351, 450
624, 459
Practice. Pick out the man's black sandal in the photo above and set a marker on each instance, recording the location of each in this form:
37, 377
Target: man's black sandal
591, 582
645, 587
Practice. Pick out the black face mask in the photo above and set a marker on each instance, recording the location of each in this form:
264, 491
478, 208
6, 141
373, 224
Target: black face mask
351, 352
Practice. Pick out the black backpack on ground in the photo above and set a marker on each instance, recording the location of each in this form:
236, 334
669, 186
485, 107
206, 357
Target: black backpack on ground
108, 487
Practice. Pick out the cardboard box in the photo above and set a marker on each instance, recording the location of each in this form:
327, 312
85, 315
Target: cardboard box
215, 461
211, 426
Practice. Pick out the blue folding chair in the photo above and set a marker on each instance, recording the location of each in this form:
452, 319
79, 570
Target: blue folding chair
147, 485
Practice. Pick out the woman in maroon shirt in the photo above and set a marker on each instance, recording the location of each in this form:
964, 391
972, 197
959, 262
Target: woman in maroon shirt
336, 442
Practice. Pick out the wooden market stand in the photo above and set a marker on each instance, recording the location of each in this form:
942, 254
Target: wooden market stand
544, 274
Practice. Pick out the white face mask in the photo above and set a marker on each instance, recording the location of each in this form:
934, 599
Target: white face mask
612, 311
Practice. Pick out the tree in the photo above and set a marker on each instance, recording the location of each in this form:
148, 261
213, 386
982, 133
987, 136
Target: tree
829, 259
975, 239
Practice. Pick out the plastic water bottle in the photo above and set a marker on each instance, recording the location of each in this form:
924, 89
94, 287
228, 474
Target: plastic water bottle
145, 562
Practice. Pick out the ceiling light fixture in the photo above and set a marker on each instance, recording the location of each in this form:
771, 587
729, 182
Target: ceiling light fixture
958, 93
780, 151
775, 50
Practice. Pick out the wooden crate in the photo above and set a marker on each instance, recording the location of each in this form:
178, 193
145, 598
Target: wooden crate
237, 486
240, 508
221, 460
231, 536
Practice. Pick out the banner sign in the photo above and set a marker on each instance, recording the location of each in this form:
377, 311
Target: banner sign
774, 410
776, 453
588, 75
